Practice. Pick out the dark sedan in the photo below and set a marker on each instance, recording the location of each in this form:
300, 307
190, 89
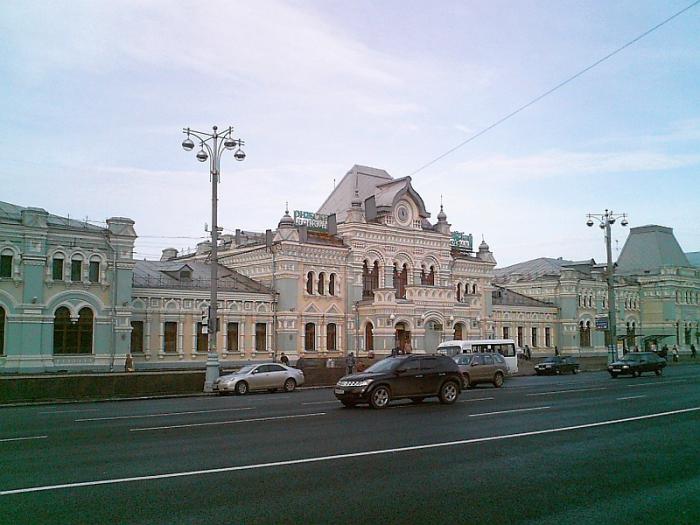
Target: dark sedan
634, 363
557, 365
412, 376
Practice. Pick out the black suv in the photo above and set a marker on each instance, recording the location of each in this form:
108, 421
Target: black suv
634, 363
409, 376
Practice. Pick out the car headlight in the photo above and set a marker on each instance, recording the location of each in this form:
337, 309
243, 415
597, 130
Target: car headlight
625, 366
365, 382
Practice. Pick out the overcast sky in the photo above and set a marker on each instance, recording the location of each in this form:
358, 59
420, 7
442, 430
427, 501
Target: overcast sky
94, 96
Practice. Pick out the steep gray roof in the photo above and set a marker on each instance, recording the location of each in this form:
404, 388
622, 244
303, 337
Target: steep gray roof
505, 297
530, 270
693, 258
369, 182
13, 213
166, 274
649, 248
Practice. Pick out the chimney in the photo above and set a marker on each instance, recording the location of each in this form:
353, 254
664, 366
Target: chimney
168, 254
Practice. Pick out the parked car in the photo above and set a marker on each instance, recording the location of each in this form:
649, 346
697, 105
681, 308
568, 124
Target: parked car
406, 376
634, 363
265, 376
557, 365
482, 368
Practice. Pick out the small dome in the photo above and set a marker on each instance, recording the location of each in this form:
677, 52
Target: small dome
442, 216
483, 247
286, 221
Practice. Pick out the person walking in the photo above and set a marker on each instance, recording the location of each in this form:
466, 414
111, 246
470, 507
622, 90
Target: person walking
284, 359
350, 363
664, 351
407, 348
129, 363
556, 350
693, 352
674, 353
528, 354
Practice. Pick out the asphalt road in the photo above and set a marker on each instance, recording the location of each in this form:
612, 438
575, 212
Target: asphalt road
564, 449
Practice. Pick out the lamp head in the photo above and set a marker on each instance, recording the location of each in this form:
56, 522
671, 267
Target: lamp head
230, 143
239, 155
187, 144
624, 222
202, 155
589, 222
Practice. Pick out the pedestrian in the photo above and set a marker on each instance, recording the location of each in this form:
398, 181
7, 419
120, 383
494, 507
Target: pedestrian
350, 362
654, 348
693, 352
395, 351
284, 359
674, 353
636, 348
528, 354
556, 350
407, 349
129, 363
664, 351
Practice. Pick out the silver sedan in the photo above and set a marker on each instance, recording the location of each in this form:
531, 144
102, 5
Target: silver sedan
266, 376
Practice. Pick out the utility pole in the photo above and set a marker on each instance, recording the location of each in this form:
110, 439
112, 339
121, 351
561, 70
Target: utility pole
212, 145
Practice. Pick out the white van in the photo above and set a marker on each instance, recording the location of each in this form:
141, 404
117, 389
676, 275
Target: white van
505, 347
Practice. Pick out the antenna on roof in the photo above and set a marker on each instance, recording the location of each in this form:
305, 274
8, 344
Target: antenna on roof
333, 182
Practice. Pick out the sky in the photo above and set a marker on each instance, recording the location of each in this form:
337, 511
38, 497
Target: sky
94, 96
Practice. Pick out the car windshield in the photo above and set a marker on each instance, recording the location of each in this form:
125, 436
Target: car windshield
385, 365
551, 360
462, 359
631, 357
246, 369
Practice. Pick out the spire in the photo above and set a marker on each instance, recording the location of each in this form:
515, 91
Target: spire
286, 221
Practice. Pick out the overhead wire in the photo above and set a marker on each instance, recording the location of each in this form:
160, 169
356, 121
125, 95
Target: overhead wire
555, 88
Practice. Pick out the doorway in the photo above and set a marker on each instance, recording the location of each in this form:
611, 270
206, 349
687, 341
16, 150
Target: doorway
402, 335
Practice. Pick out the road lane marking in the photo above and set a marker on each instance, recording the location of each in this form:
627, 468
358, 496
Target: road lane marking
336, 457
67, 411
321, 402
4, 440
233, 422
508, 411
659, 383
163, 414
629, 397
552, 392
475, 399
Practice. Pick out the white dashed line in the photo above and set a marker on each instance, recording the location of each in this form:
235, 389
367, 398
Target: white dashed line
344, 456
552, 392
321, 403
67, 411
659, 383
164, 414
508, 411
475, 399
629, 397
235, 421
5, 440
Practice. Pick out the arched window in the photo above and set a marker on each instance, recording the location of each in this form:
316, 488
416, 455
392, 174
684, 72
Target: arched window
423, 275
331, 284
322, 283
310, 337
330, 336
459, 292
458, 332
70, 337
94, 269
6, 263
375, 275
310, 282
369, 336
431, 277
400, 280
585, 334
2, 331
474, 288
57, 267
366, 281
76, 268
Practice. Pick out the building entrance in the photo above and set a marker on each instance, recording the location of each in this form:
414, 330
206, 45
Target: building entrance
402, 337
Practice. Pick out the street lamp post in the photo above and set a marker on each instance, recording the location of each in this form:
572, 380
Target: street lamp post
212, 145
605, 221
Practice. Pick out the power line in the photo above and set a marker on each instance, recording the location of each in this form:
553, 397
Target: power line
555, 88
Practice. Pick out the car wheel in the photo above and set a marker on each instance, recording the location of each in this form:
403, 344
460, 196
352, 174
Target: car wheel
557, 371
348, 404
449, 392
657, 371
498, 380
638, 373
416, 400
380, 397
241, 388
575, 371
290, 385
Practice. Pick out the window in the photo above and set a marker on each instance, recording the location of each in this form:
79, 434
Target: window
331, 284
76, 270
400, 280
430, 281
136, 337
260, 337
2, 331
330, 336
5, 265
310, 337
321, 283
459, 292
474, 289
170, 337
506, 332
534, 337
458, 332
310, 282
369, 337
488, 359
520, 336
72, 336
202, 339
232, 337
585, 333
57, 270
547, 336
94, 272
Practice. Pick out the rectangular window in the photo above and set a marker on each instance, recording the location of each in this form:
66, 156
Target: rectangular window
260, 336
232, 337
76, 270
202, 338
136, 337
57, 272
534, 337
94, 271
547, 336
2, 331
506, 333
6, 266
170, 337
520, 336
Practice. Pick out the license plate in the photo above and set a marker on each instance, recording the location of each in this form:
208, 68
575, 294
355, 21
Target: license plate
339, 391
617, 369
